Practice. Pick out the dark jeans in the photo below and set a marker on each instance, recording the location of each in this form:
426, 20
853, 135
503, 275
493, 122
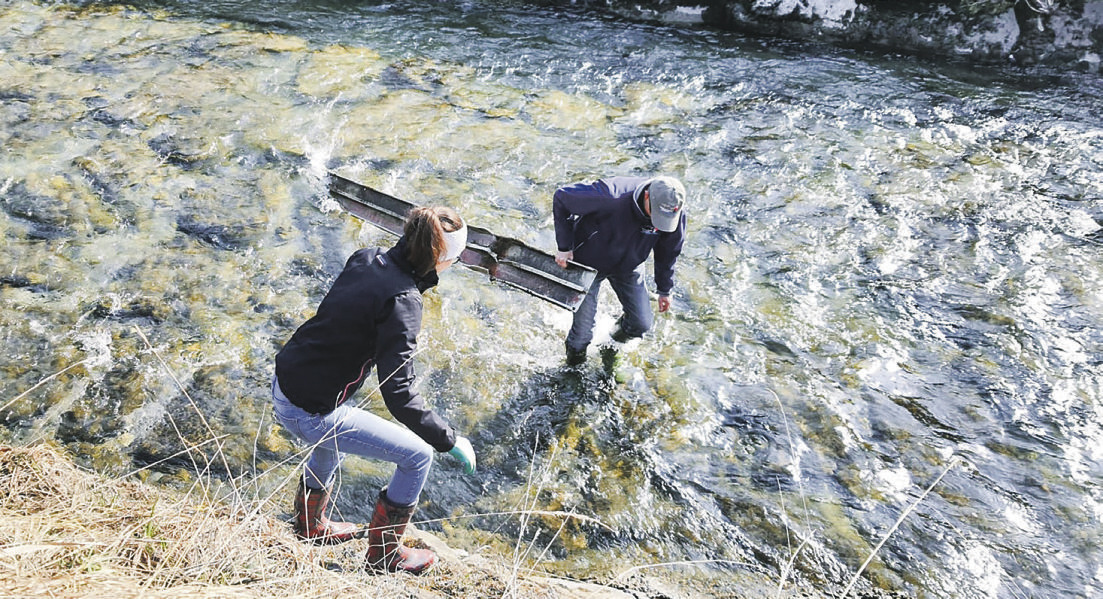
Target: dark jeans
634, 322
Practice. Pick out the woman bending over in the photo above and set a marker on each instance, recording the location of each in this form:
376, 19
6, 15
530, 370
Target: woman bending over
370, 317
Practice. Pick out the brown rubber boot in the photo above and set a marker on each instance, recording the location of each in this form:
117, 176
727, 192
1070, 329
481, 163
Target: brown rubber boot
386, 553
311, 523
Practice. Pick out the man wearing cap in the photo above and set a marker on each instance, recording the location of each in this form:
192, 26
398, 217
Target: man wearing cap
612, 225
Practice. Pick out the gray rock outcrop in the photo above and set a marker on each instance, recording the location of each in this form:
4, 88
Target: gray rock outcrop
1066, 34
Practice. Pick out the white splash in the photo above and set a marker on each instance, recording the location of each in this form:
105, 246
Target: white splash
901, 253
1080, 223
894, 483
987, 572
978, 572
96, 344
1020, 518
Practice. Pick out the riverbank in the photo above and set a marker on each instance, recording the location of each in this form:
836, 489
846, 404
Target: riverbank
67, 532
1062, 34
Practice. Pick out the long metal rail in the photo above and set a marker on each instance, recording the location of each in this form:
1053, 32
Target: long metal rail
503, 258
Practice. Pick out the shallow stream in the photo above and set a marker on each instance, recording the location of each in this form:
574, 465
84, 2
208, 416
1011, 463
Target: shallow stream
893, 274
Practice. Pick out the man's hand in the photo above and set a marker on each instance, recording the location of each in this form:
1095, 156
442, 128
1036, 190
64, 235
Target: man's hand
664, 303
562, 257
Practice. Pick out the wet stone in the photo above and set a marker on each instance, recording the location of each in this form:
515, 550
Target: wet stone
141, 308
20, 202
307, 266
45, 232
250, 157
211, 408
89, 422
104, 69
105, 117
393, 78
22, 282
14, 111
168, 150
12, 95
222, 237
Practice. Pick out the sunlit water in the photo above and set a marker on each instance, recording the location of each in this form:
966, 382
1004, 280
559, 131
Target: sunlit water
893, 271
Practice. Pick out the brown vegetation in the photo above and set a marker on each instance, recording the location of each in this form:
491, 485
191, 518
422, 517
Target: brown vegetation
65, 532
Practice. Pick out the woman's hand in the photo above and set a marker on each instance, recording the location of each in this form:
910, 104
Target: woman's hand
463, 452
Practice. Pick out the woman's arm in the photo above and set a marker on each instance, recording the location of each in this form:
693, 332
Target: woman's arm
395, 347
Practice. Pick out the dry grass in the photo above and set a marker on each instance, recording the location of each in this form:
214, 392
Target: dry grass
65, 532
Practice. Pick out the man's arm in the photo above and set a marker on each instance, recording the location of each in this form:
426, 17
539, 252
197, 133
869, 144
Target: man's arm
667, 251
569, 204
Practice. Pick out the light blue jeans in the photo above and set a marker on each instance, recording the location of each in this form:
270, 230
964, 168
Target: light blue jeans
352, 430
636, 319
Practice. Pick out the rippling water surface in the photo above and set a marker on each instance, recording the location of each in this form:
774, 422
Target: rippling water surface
893, 273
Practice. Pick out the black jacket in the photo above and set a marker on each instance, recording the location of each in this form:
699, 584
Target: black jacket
371, 315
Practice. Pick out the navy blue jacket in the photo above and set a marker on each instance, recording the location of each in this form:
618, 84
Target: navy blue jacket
371, 315
603, 224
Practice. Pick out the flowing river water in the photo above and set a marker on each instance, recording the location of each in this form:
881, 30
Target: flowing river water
893, 273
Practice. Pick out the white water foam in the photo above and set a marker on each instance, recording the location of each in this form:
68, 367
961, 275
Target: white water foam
96, 344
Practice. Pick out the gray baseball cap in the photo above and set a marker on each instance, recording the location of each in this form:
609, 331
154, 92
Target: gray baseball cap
668, 197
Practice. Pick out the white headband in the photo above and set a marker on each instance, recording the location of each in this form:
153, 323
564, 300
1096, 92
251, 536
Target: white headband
454, 242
